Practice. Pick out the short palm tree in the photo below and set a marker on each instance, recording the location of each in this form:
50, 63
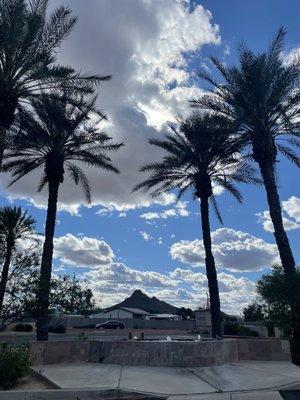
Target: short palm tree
262, 96
58, 138
14, 225
29, 41
198, 156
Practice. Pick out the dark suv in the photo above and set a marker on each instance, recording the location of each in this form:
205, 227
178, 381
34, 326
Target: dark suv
111, 325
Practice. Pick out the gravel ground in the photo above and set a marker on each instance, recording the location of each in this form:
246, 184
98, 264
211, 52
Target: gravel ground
33, 382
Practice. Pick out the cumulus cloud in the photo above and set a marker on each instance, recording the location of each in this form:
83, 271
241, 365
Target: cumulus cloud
233, 250
113, 284
180, 210
227, 282
292, 207
235, 293
111, 281
145, 46
291, 215
117, 274
82, 251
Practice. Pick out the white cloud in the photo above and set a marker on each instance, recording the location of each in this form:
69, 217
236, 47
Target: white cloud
180, 210
115, 274
112, 281
112, 284
292, 207
291, 56
233, 250
143, 45
235, 293
227, 282
82, 251
291, 215
146, 236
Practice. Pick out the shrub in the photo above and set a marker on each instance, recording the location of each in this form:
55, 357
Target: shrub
57, 329
14, 364
245, 331
23, 328
234, 328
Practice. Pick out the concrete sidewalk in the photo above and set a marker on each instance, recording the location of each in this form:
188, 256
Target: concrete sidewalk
200, 383
93, 394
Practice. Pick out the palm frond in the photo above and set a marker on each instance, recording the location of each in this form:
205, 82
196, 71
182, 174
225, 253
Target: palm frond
202, 152
55, 135
289, 154
216, 209
79, 177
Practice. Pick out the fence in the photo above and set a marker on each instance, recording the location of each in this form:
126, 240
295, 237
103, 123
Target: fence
131, 323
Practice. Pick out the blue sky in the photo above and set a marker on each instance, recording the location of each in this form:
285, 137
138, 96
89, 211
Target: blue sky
125, 241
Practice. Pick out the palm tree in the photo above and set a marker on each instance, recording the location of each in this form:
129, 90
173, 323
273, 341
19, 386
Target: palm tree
29, 41
198, 156
262, 96
58, 138
14, 225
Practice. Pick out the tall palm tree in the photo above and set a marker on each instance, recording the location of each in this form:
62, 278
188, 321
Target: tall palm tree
58, 138
198, 156
14, 225
29, 41
262, 96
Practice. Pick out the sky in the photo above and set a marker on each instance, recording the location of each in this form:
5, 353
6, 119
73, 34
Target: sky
124, 241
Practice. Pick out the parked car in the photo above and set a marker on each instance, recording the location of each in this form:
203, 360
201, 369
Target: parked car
111, 325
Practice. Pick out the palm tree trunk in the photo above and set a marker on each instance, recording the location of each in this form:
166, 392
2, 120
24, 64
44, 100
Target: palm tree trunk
284, 248
211, 272
46, 264
5, 270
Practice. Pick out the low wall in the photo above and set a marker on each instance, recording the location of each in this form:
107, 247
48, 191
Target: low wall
164, 354
131, 323
56, 352
264, 350
160, 353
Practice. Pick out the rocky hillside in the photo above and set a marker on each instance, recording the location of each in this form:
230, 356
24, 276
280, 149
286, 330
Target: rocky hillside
138, 299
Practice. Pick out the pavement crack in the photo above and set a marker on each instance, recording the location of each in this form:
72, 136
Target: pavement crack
120, 375
204, 380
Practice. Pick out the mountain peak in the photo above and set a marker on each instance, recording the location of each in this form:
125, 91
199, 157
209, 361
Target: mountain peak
140, 300
138, 293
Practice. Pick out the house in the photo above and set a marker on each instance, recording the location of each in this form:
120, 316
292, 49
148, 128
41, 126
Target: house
203, 320
168, 317
122, 312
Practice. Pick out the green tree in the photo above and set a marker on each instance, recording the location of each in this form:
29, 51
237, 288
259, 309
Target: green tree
29, 42
253, 312
56, 139
70, 295
21, 288
262, 96
14, 225
199, 155
275, 291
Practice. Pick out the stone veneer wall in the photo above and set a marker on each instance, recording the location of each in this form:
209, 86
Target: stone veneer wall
264, 350
164, 354
56, 352
159, 353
